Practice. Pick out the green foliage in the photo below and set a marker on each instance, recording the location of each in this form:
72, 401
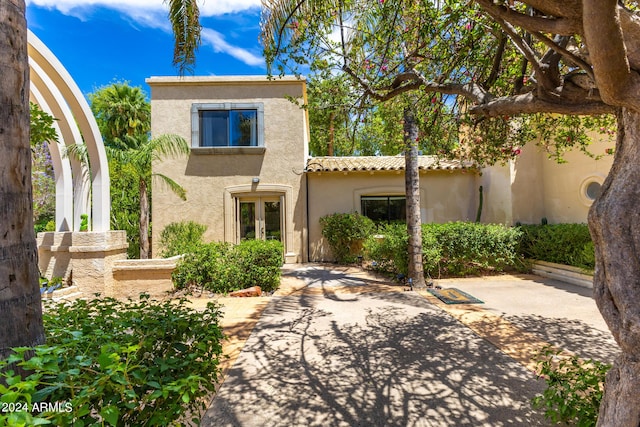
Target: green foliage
222, 267
125, 204
123, 115
389, 249
346, 233
44, 223
452, 249
42, 129
258, 263
179, 238
108, 362
42, 175
568, 244
450, 57
574, 388
84, 222
471, 248
124, 118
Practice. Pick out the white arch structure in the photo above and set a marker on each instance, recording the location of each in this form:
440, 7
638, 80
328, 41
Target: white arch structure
79, 190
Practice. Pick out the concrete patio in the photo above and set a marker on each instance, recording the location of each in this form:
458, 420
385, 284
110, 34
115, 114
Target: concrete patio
338, 346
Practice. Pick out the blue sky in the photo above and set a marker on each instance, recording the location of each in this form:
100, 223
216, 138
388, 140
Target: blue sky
101, 41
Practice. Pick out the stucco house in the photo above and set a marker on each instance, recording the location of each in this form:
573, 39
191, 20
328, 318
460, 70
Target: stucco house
249, 174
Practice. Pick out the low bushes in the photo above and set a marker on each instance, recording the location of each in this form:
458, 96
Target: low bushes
452, 249
568, 244
108, 362
222, 267
346, 233
180, 238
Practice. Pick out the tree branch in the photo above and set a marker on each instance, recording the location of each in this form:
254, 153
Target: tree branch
553, 25
529, 104
544, 82
607, 51
564, 52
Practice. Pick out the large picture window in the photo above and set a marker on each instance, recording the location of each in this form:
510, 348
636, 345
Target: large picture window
384, 208
227, 125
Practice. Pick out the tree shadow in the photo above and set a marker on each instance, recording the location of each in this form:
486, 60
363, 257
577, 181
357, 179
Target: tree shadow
388, 359
572, 335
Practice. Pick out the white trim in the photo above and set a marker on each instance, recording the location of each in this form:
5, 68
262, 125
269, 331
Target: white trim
59, 88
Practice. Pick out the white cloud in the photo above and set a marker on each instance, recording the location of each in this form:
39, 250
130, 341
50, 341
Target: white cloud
219, 44
207, 7
153, 14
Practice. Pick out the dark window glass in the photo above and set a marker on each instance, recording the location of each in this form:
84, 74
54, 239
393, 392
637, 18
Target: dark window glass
228, 128
384, 208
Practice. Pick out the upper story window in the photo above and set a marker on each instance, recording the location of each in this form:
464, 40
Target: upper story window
227, 125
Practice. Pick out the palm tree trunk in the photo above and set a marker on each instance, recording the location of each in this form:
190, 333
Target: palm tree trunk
144, 220
412, 188
614, 222
20, 305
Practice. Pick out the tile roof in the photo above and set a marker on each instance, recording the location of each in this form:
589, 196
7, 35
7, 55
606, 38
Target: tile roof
380, 163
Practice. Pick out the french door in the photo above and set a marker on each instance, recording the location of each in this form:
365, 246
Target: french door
259, 218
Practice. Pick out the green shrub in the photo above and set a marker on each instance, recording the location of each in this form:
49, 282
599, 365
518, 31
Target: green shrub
346, 233
568, 244
203, 266
472, 248
108, 362
457, 248
44, 223
222, 267
389, 250
259, 263
574, 389
179, 238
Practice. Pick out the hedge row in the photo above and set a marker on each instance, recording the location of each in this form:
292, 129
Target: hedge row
457, 248
453, 249
568, 244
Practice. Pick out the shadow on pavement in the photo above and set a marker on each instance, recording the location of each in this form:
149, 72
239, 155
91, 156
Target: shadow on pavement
572, 335
386, 359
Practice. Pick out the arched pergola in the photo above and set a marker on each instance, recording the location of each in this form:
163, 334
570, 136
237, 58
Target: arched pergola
79, 189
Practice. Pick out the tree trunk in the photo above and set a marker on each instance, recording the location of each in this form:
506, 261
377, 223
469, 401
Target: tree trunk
144, 220
20, 305
330, 144
614, 222
412, 188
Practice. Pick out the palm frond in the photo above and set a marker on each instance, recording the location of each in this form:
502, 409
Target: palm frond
168, 145
173, 186
184, 16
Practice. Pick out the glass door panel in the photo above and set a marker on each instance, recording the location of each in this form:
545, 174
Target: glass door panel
259, 218
247, 216
272, 220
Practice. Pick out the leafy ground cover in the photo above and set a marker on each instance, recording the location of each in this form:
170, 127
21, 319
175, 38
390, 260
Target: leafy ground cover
108, 362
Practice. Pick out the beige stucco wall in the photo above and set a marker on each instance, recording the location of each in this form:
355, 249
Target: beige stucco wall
444, 196
211, 180
533, 186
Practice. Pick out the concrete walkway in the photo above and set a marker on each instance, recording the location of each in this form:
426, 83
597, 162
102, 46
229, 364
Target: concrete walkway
340, 347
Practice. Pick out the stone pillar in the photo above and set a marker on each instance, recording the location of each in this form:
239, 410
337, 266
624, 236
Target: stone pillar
85, 258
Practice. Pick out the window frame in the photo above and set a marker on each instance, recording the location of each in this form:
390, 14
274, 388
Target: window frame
388, 197
196, 108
